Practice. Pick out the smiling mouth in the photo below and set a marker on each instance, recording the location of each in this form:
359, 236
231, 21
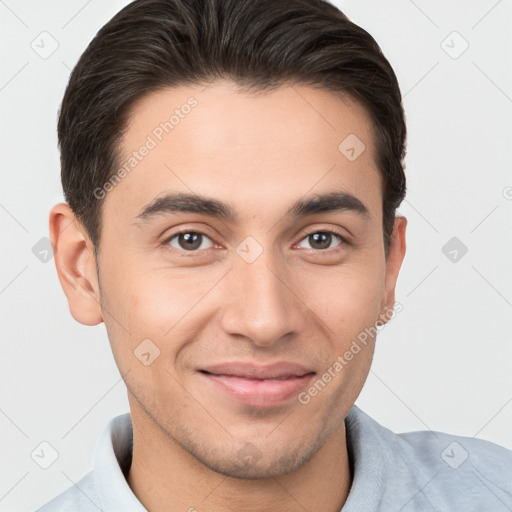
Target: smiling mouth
260, 387
255, 378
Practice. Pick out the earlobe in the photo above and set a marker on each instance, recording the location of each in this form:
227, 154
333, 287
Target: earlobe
76, 265
394, 262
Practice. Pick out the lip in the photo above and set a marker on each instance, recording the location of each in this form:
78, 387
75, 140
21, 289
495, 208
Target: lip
258, 385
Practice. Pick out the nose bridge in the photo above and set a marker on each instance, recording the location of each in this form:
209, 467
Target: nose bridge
261, 306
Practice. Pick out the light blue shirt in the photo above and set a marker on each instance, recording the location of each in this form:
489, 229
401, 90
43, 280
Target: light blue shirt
416, 471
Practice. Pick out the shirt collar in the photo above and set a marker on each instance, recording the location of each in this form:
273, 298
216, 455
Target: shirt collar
112, 456
368, 451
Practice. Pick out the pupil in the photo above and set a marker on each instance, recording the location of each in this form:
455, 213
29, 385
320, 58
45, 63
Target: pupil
320, 240
190, 240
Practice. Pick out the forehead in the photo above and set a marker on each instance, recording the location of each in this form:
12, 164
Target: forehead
247, 147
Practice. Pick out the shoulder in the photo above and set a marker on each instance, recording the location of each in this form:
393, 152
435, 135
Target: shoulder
458, 471
80, 497
432, 470
457, 450
464, 461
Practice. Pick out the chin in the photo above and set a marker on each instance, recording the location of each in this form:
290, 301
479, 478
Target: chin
250, 464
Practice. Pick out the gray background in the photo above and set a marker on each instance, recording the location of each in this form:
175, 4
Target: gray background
443, 363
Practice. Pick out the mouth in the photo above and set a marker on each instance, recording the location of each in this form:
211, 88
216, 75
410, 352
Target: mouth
256, 385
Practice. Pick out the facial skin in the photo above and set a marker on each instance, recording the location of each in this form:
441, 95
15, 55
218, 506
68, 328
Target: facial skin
297, 302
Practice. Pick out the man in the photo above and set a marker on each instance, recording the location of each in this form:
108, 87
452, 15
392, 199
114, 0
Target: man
232, 171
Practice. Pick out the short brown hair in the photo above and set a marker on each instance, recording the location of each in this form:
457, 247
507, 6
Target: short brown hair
258, 44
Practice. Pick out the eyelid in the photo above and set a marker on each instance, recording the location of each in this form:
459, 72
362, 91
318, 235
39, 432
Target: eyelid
332, 231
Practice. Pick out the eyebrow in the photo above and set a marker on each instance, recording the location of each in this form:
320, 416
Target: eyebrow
192, 203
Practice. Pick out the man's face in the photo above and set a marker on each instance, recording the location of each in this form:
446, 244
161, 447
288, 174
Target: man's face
245, 312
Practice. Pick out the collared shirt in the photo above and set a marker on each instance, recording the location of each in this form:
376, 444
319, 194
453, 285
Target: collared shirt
417, 471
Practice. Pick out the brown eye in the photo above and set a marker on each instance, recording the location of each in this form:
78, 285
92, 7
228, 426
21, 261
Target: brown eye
321, 240
190, 241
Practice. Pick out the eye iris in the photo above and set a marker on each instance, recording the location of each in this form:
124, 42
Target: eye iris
189, 241
320, 240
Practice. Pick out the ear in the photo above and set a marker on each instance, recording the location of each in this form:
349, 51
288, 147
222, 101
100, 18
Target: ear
394, 262
76, 265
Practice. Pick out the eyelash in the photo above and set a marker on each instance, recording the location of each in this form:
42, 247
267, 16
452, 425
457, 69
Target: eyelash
166, 242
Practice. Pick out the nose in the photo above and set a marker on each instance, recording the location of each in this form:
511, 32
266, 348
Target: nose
260, 303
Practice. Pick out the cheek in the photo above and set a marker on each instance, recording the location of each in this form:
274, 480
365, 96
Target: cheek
347, 299
152, 303
348, 302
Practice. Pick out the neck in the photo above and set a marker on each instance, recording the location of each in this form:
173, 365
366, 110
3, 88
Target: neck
165, 477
